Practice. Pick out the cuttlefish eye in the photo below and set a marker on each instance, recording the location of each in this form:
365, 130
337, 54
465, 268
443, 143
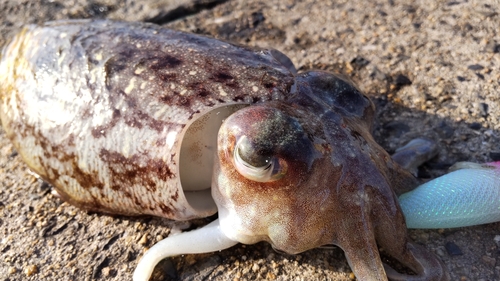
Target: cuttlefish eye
257, 165
265, 144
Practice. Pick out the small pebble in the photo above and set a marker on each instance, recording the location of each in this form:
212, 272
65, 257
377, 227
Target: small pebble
401, 80
377, 74
44, 186
475, 126
270, 276
30, 270
488, 133
257, 18
440, 252
497, 240
144, 240
475, 67
382, 13
396, 128
453, 249
359, 62
483, 107
495, 156
13, 154
492, 47
106, 271
490, 261
444, 130
255, 267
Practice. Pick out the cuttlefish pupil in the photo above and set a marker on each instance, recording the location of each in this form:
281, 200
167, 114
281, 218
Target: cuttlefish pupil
255, 165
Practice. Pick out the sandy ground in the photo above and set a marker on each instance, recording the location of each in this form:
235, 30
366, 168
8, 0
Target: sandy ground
448, 50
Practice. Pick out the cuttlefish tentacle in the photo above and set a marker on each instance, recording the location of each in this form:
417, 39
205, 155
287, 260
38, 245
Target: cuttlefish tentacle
426, 265
203, 240
357, 250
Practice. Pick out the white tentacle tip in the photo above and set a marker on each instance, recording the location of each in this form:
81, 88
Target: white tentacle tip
203, 240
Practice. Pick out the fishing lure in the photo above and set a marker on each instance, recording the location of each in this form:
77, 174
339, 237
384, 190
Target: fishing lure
468, 195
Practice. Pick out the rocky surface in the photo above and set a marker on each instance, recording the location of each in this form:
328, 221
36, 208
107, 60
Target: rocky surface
432, 67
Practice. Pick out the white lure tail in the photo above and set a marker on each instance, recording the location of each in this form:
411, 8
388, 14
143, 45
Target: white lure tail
469, 195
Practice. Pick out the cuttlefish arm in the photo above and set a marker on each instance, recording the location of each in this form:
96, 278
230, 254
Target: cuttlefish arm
203, 240
468, 195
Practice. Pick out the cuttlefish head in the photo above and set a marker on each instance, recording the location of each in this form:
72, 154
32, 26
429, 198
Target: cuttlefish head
283, 168
268, 179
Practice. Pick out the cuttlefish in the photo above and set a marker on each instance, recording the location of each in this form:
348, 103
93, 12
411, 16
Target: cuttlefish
136, 119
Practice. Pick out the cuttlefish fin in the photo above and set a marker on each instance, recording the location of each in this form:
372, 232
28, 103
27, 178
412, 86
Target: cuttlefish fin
203, 240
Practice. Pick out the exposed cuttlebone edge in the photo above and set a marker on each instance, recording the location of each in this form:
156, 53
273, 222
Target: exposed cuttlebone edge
195, 155
203, 240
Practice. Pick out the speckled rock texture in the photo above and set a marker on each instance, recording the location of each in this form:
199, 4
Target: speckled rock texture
432, 68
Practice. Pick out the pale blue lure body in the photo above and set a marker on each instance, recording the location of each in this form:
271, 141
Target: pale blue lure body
464, 197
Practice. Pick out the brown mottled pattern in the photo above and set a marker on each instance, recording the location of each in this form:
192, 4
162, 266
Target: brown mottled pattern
90, 105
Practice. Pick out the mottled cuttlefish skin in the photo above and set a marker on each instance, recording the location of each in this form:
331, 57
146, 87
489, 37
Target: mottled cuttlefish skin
98, 109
